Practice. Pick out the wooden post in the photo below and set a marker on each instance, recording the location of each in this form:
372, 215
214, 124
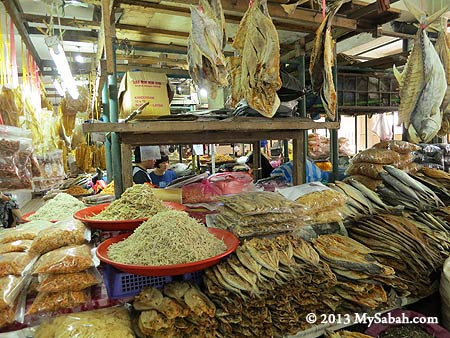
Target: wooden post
127, 168
298, 173
257, 172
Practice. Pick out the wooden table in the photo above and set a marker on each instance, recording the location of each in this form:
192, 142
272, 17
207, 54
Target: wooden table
232, 130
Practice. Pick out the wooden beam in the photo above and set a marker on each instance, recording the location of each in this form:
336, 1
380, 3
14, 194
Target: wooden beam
16, 13
301, 16
70, 35
149, 31
185, 12
248, 124
147, 68
158, 47
108, 34
151, 60
64, 21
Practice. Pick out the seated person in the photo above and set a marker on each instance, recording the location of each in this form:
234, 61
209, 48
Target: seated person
313, 172
162, 175
143, 160
9, 211
266, 167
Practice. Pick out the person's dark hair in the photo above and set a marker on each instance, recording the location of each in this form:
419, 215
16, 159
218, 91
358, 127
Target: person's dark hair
137, 154
164, 158
266, 167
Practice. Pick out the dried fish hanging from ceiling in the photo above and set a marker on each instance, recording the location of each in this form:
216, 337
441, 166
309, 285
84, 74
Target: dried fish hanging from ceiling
322, 61
207, 64
422, 84
443, 48
255, 72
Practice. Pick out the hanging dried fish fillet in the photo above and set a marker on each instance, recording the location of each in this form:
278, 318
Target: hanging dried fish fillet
207, 65
255, 74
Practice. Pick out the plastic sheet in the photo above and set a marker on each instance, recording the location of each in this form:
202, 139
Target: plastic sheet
378, 156
232, 182
75, 281
71, 232
203, 192
314, 196
54, 301
111, 322
404, 160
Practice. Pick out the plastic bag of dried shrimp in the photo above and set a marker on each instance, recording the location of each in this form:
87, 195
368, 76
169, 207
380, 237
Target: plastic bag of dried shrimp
54, 301
113, 322
15, 312
75, 281
67, 259
379, 156
260, 202
398, 146
16, 246
16, 263
25, 231
371, 170
10, 288
68, 232
314, 196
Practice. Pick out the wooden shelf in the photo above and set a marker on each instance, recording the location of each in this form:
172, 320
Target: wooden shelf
235, 130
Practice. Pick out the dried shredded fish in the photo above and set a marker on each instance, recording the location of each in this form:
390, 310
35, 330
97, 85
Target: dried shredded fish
137, 201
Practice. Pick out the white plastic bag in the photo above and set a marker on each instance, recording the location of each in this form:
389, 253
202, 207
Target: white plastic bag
383, 128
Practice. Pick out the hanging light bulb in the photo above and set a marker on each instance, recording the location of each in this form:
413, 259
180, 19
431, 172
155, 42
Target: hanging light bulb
59, 57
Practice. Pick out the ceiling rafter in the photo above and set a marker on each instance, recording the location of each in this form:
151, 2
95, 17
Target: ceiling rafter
15, 12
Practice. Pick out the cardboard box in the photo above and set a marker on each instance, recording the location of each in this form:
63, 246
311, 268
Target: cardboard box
136, 88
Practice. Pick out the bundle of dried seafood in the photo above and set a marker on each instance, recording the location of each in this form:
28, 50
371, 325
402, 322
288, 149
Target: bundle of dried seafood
398, 242
260, 213
181, 310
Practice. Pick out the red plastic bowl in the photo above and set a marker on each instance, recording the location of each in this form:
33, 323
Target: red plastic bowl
230, 240
28, 214
131, 224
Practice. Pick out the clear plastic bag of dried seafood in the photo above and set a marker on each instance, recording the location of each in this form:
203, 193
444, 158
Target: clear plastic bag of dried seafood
68, 232
16, 246
74, 281
67, 259
314, 196
374, 155
398, 146
261, 202
106, 323
16, 263
54, 301
27, 231
10, 288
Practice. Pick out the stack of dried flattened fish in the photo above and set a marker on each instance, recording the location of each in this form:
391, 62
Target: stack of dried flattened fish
437, 180
259, 213
360, 276
207, 64
397, 242
181, 310
322, 61
255, 73
268, 286
361, 201
436, 228
400, 189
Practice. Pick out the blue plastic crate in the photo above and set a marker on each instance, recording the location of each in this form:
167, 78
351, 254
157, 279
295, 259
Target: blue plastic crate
122, 285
